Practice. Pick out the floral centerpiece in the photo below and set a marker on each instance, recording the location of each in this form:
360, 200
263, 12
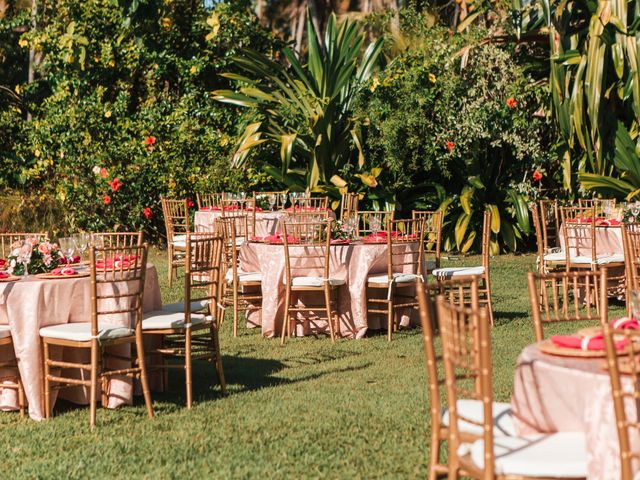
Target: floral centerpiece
341, 231
631, 212
33, 256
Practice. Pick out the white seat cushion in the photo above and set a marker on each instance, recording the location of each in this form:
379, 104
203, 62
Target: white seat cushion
614, 258
473, 410
160, 320
81, 332
195, 306
179, 241
244, 276
5, 331
397, 278
314, 281
457, 271
559, 455
239, 241
555, 257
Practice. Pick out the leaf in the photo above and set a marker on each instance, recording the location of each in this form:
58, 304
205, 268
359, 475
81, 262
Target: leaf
338, 181
286, 148
522, 210
495, 218
465, 199
468, 21
461, 228
476, 182
468, 243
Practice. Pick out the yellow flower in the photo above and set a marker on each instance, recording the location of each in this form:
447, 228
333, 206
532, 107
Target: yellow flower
18, 89
37, 153
193, 70
375, 84
166, 23
107, 114
23, 43
112, 63
224, 140
432, 78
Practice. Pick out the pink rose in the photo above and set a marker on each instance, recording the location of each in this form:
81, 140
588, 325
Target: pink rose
44, 248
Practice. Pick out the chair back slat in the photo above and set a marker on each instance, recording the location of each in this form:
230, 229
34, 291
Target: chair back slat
278, 196
379, 217
631, 245
310, 203
405, 247
203, 271
176, 217
306, 248
550, 223
234, 230
578, 229
9, 239
208, 200
348, 205
119, 239
432, 232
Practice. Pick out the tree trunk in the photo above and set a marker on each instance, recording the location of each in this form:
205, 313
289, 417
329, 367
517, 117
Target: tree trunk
300, 24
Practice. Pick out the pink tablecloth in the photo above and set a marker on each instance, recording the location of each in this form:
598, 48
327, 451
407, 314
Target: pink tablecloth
557, 394
608, 241
29, 304
353, 263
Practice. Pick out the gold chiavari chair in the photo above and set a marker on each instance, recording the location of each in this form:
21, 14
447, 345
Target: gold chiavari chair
307, 216
547, 260
241, 290
8, 239
278, 196
177, 224
461, 291
306, 250
432, 236
380, 219
6, 341
631, 244
348, 205
483, 270
564, 297
624, 371
404, 271
179, 330
596, 203
117, 289
550, 221
247, 207
468, 376
120, 239
208, 200
310, 203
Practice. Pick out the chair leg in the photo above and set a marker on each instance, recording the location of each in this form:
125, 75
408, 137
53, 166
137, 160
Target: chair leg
390, 314
188, 371
170, 263
215, 340
143, 371
21, 401
487, 285
286, 323
327, 299
337, 313
434, 459
47, 382
235, 310
93, 390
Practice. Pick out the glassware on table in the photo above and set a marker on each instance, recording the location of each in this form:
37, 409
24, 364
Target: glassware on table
67, 247
25, 255
375, 223
283, 200
97, 240
350, 225
272, 201
608, 208
83, 240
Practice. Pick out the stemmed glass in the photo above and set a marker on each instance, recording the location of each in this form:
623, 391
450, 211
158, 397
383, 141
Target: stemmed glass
375, 223
272, 201
82, 241
67, 246
608, 208
27, 249
350, 225
283, 200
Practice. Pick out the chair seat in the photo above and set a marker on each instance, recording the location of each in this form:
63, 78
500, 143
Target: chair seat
162, 320
243, 276
81, 332
559, 455
457, 272
397, 278
5, 331
195, 306
473, 410
555, 257
314, 282
179, 241
600, 259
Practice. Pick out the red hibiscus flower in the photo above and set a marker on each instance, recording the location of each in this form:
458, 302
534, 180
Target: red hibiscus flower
103, 172
450, 145
147, 212
150, 141
537, 176
106, 199
190, 203
115, 184
512, 102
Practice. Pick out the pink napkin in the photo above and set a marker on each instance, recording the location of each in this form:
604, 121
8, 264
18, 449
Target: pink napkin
278, 239
610, 223
593, 343
63, 272
625, 323
64, 261
256, 239
119, 261
4, 275
250, 209
209, 209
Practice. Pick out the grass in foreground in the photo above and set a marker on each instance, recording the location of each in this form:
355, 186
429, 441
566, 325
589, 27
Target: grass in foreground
357, 409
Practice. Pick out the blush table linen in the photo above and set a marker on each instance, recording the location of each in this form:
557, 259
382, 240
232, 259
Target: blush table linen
608, 241
32, 303
353, 263
563, 394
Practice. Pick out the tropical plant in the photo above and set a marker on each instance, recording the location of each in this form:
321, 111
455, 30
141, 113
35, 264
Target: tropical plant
306, 110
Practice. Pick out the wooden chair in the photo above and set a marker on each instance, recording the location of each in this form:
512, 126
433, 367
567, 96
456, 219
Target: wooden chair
348, 204
6, 341
208, 200
310, 203
8, 239
404, 252
564, 297
595, 203
382, 218
550, 222
180, 330
631, 244
623, 367
483, 270
468, 372
460, 291
307, 249
247, 207
305, 216
548, 260
263, 197
241, 290
117, 288
120, 239
177, 223
432, 236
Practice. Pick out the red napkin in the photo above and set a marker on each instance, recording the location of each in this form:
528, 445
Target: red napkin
625, 323
585, 343
258, 209
64, 261
256, 239
375, 238
3, 263
278, 239
63, 272
4, 275
117, 262
610, 223
231, 208
209, 209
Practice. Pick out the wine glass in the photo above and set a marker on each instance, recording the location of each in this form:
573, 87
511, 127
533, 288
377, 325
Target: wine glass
272, 201
350, 225
67, 246
97, 240
25, 255
375, 223
82, 242
608, 208
283, 200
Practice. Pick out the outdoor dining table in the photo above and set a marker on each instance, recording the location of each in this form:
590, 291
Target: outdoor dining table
568, 394
352, 262
608, 240
31, 303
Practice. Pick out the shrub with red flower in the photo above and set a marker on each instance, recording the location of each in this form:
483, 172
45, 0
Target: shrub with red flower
512, 102
104, 172
106, 199
150, 141
537, 176
115, 184
190, 203
450, 145
147, 213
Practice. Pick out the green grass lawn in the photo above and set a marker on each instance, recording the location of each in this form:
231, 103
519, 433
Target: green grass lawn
356, 409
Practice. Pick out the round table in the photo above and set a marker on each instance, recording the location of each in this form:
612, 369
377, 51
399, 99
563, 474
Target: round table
565, 394
353, 263
31, 303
